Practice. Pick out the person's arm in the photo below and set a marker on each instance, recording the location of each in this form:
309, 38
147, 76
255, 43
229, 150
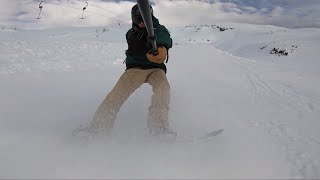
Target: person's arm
163, 37
164, 42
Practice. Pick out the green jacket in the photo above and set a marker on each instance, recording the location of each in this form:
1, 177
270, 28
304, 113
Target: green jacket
138, 45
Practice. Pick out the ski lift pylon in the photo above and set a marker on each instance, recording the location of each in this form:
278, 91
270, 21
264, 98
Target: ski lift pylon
83, 9
40, 7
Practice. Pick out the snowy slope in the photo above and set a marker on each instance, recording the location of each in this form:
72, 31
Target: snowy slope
53, 80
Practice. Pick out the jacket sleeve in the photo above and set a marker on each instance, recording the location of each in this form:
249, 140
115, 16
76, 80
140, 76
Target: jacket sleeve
128, 34
163, 37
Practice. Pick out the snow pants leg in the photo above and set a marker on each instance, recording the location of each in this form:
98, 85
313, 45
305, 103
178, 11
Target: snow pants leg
159, 108
105, 115
129, 81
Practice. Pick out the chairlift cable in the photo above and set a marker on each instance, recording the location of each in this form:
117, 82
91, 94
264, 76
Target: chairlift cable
106, 10
110, 11
86, 11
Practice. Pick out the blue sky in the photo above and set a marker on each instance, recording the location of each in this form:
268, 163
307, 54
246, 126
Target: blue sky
287, 13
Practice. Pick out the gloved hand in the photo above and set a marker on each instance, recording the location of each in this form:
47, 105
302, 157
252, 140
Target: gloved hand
160, 58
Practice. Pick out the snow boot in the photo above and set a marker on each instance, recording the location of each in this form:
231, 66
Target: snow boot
87, 134
163, 134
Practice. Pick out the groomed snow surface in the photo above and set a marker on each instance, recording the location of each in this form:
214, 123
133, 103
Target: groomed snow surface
52, 81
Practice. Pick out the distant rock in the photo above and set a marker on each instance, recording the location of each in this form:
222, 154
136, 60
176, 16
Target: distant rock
200, 27
5, 28
279, 52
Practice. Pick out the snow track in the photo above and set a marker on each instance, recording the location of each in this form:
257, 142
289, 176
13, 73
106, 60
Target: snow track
292, 105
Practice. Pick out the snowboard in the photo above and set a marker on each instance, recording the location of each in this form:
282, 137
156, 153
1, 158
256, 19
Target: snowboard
85, 137
207, 137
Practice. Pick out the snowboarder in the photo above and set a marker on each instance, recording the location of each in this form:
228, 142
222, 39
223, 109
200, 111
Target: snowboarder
141, 67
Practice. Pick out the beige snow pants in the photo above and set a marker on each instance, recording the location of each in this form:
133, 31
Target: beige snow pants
130, 80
